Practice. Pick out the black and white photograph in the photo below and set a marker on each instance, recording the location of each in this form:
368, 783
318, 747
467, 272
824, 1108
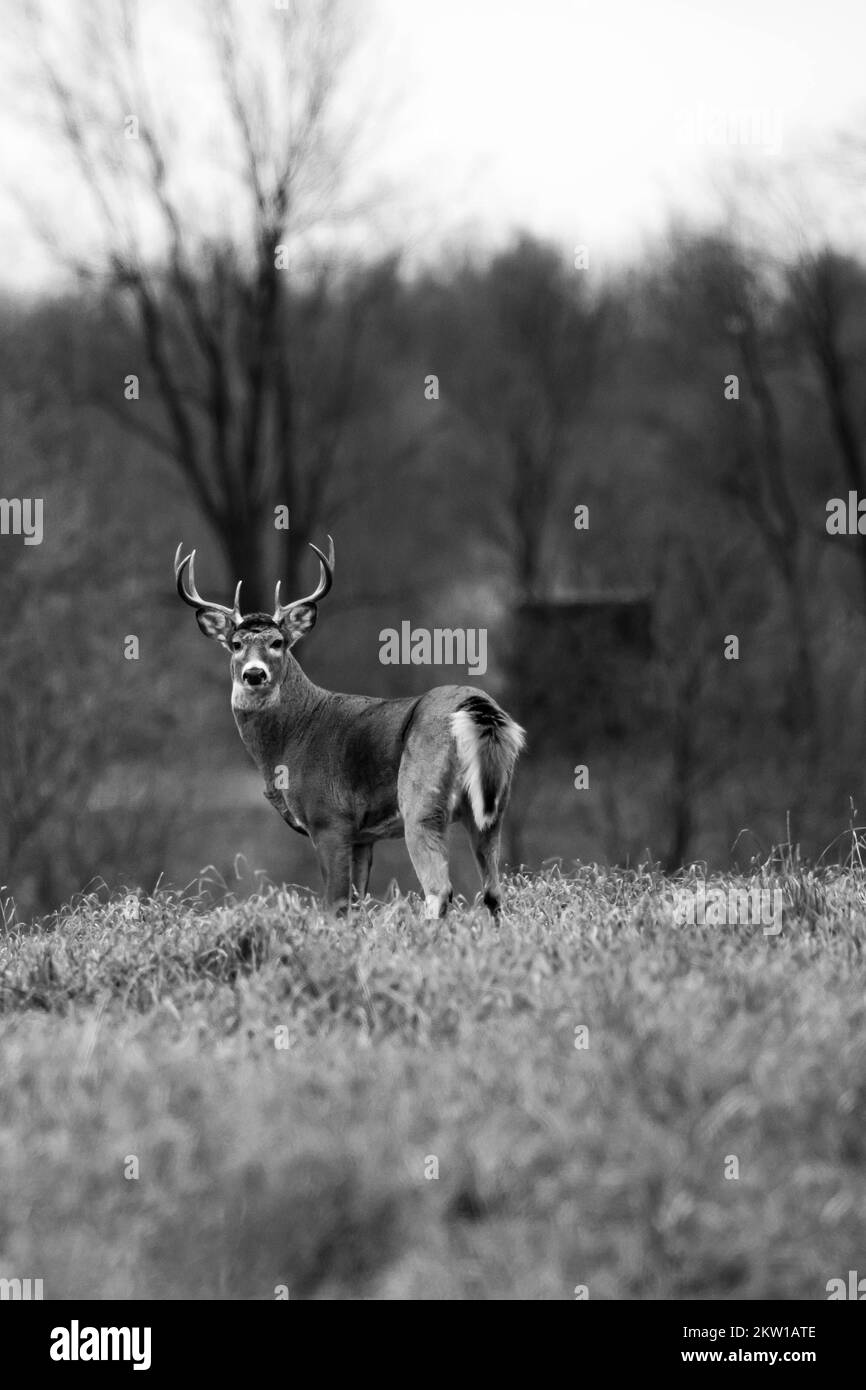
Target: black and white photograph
433, 665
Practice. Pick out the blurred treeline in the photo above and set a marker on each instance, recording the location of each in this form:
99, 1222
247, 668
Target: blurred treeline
556, 388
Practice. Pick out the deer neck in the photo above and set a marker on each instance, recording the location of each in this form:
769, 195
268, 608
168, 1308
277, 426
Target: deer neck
272, 733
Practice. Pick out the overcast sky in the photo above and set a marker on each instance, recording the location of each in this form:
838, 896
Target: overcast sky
585, 122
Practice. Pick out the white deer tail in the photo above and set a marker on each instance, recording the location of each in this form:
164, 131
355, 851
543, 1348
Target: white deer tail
488, 743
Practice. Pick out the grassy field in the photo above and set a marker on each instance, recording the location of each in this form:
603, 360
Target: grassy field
287, 1087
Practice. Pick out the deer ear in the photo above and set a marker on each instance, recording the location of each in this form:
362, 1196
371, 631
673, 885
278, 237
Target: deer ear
214, 624
298, 621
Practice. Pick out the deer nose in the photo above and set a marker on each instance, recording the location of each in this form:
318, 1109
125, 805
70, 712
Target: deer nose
254, 675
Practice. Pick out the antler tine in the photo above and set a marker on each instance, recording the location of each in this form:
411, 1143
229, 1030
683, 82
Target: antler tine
190, 594
180, 565
193, 588
326, 579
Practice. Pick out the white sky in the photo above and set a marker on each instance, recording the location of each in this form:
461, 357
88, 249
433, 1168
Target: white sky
586, 122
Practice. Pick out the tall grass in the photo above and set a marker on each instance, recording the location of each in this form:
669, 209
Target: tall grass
290, 1086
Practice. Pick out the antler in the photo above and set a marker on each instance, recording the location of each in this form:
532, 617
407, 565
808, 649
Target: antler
192, 596
326, 579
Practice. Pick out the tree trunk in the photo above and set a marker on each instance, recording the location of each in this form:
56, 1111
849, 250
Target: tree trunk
245, 549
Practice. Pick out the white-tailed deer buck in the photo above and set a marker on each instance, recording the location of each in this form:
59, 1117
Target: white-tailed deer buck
348, 770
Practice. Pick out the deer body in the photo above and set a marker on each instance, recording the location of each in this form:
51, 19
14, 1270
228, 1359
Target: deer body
348, 770
338, 763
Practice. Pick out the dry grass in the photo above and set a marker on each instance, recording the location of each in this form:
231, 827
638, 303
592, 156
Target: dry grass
147, 1027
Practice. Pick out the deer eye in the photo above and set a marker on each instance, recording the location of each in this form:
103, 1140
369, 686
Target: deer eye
276, 645
237, 644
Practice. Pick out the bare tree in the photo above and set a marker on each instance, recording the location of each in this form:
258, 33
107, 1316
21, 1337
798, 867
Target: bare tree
71, 723
822, 286
218, 317
686, 600
740, 309
530, 362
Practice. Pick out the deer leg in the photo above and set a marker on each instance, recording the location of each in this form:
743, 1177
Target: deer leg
362, 860
423, 789
428, 850
485, 847
334, 850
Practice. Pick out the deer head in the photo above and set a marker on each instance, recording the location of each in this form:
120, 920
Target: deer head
259, 644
